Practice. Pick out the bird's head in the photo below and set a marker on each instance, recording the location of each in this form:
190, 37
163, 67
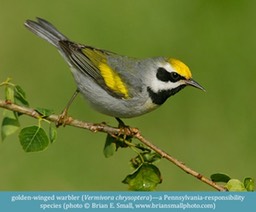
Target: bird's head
171, 76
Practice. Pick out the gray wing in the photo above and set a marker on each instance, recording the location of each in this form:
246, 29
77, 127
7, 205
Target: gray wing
88, 61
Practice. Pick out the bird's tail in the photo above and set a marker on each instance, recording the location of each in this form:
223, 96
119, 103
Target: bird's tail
45, 30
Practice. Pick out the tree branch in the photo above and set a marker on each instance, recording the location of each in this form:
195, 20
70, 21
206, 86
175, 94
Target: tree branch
134, 132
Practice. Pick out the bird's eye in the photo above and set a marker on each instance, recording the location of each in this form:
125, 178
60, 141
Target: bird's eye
165, 76
175, 77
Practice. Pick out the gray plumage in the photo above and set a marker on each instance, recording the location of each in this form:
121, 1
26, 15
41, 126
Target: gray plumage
144, 92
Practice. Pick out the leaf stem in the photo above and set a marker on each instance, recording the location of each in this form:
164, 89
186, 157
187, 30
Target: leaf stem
7, 83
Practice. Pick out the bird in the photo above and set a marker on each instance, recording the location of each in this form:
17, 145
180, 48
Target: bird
117, 85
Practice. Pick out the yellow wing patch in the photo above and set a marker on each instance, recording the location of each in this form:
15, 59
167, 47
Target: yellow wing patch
181, 68
113, 80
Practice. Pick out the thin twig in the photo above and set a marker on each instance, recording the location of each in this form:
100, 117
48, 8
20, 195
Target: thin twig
178, 163
110, 130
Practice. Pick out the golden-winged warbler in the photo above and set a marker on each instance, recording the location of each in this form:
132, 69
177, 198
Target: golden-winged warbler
117, 85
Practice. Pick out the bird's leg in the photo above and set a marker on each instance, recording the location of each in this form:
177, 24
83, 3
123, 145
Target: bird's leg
63, 116
124, 129
121, 124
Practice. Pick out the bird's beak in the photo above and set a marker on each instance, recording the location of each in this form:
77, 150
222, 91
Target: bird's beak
194, 84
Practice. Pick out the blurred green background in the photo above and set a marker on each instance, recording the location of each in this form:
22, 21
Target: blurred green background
210, 132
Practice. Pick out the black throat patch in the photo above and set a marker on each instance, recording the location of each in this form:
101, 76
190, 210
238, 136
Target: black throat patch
160, 97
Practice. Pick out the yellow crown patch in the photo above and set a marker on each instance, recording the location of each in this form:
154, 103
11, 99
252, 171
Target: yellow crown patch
181, 68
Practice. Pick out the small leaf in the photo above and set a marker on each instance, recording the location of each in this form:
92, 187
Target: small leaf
151, 157
20, 96
145, 157
110, 146
145, 178
219, 177
249, 184
235, 185
10, 123
136, 162
52, 133
33, 139
9, 93
44, 112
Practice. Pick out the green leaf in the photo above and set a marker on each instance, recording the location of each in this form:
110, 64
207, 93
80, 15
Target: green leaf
52, 133
145, 157
20, 96
10, 124
145, 178
33, 139
113, 143
9, 93
249, 184
44, 112
235, 185
151, 157
136, 162
110, 146
219, 177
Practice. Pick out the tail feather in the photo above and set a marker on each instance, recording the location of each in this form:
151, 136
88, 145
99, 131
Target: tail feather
45, 30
